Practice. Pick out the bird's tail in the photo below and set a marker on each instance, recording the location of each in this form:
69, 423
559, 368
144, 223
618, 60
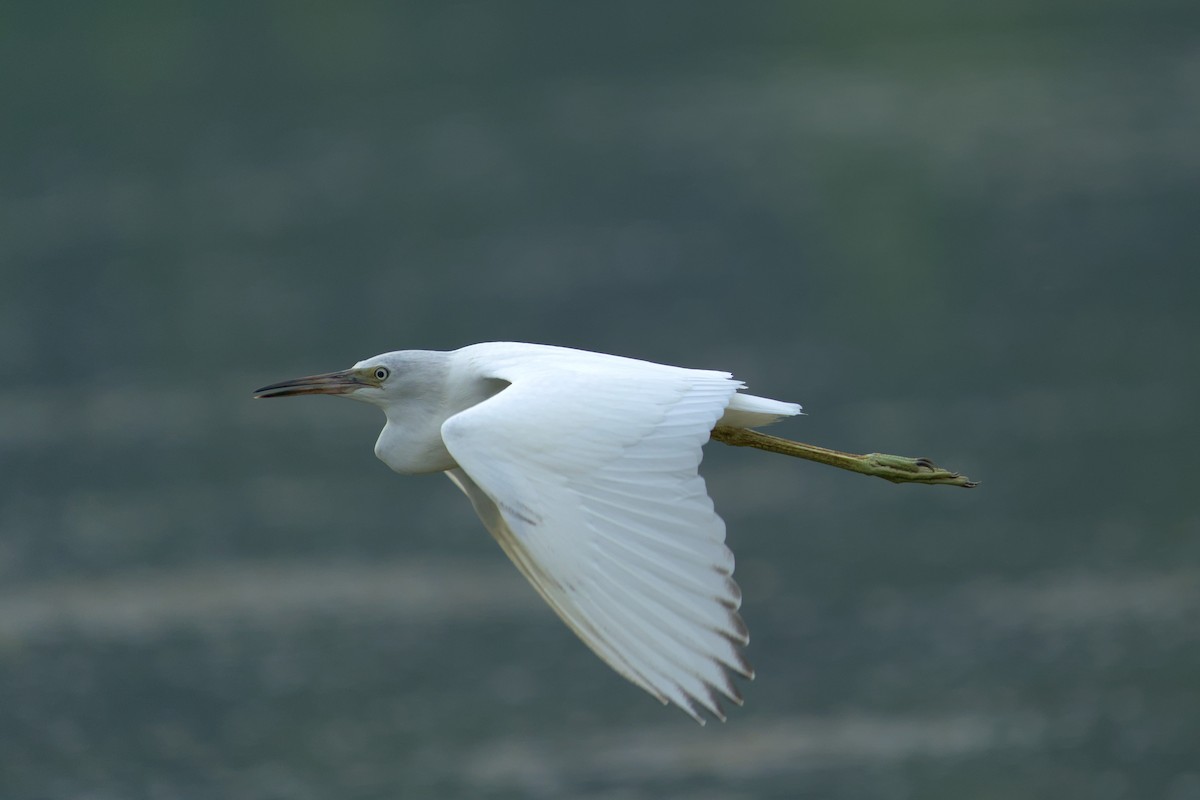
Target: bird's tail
748, 411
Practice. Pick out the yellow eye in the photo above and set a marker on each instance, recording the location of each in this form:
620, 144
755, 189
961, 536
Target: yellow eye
381, 374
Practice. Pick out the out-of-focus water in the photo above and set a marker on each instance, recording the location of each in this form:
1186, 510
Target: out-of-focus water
962, 233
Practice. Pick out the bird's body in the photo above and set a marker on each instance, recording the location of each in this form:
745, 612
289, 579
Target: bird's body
583, 466
439, 385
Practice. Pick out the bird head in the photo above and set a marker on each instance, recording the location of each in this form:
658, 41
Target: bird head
366, 380
384, 380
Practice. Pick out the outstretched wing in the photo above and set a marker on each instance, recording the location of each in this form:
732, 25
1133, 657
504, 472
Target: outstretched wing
588, 479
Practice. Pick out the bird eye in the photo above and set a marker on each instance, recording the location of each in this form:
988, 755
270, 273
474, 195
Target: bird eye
381, 373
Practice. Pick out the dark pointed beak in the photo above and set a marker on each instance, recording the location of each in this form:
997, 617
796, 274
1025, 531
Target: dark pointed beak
342, 382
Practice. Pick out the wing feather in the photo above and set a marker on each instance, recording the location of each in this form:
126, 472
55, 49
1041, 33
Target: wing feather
586, 474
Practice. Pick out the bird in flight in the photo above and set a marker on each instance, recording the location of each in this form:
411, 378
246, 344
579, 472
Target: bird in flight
584, 467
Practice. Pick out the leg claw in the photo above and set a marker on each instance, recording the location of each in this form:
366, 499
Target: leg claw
899, 469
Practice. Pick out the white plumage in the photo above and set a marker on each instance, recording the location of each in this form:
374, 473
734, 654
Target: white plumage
583, 466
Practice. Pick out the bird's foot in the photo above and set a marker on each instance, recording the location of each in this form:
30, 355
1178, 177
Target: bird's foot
901, 469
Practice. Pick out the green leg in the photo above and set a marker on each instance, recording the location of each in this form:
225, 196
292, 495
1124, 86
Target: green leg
897, 469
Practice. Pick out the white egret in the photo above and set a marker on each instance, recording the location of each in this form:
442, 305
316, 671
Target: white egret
583, 466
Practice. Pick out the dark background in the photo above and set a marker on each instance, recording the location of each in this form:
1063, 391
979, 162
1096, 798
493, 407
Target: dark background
967, 231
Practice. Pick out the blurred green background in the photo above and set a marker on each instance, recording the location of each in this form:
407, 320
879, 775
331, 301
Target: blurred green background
967, 231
